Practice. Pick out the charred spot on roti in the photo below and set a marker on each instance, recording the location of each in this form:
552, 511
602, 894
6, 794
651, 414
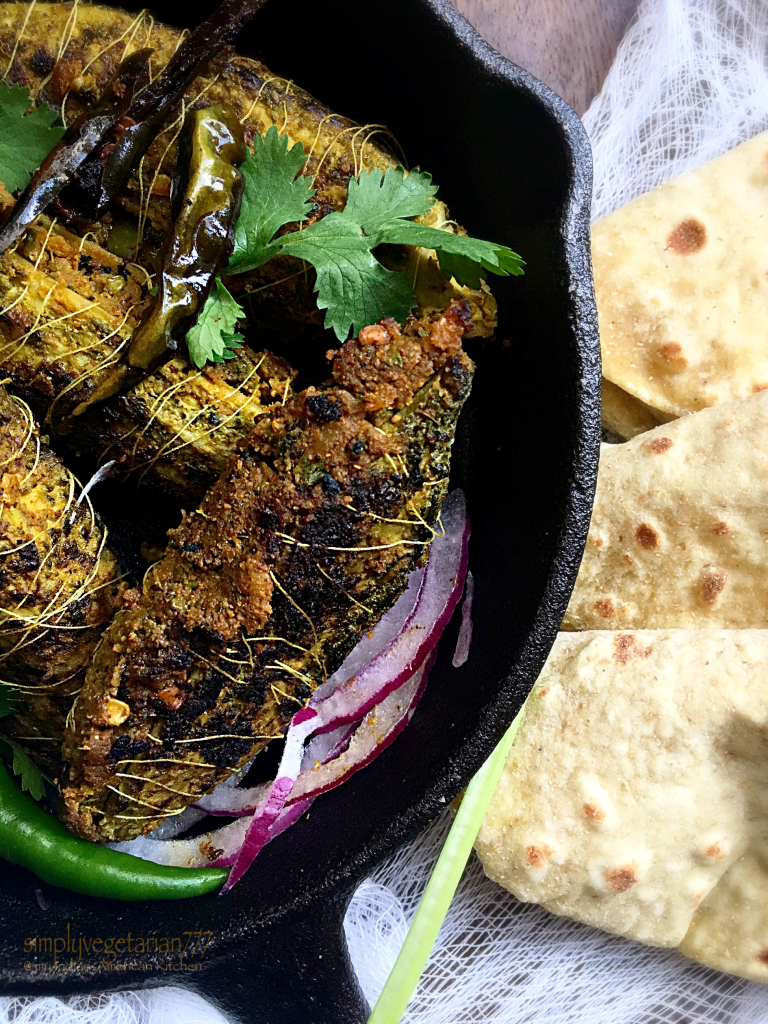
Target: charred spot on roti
722, 529
688, 237
659, 445
716, 853
759, 387
621, 879
593, 812
605, 608
711, 584
646, 537
762, 957
626, 648
670, 358
537, 856
626, 557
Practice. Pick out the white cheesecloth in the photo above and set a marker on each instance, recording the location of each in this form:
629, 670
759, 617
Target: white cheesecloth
690, 80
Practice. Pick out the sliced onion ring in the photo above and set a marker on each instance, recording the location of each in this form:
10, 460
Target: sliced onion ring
464, 641
222, 844
377, 730
387, 629
227, 800
303, 724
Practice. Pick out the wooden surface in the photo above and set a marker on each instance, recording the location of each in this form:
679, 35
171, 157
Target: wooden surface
568, 44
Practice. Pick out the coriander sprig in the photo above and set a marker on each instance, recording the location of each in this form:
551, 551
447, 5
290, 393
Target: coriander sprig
352, 285
213, 338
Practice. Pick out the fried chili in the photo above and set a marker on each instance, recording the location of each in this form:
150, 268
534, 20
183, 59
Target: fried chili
34, 839
88, 169
199, 245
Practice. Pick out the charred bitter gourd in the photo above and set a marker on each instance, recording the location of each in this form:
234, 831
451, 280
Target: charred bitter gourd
59, 583
299, 548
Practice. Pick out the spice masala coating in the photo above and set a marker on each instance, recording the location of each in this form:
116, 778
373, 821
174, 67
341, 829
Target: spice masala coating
306, 539
59, 584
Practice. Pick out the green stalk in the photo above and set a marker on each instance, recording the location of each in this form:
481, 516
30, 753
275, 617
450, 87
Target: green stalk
437, 897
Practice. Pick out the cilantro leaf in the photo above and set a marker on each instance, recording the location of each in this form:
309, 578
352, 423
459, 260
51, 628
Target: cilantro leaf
212, 338
9, 701
25, 139
21, 765
276, 193
354, 288
352, 285
375, 199
460, 257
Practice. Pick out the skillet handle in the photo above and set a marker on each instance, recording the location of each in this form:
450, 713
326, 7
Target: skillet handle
298, 970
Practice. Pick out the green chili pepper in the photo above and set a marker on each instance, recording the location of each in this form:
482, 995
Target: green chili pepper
33, 838
201, 242
203, 236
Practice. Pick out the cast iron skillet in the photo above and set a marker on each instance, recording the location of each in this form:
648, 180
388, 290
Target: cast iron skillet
513, 163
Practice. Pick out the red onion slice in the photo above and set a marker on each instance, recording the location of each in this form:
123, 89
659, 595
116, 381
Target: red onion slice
232, 802
400, 659
325, 746
303, 724
464, 641
387, 629
227, 800
222, 843
377, 730
175, 825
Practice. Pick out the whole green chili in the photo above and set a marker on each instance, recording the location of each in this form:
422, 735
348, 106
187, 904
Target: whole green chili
33, 838
200, 243
204, 232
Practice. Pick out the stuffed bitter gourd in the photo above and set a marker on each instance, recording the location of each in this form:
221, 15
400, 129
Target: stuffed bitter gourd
299, 548
70, 308
59, 583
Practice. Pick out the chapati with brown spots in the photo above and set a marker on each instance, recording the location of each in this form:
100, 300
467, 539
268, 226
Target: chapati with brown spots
681, 280
679, 531
635, 797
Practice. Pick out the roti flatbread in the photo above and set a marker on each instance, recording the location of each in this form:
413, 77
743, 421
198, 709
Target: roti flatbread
625, 416
679, 531
637, 787
681, 281
730, 930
